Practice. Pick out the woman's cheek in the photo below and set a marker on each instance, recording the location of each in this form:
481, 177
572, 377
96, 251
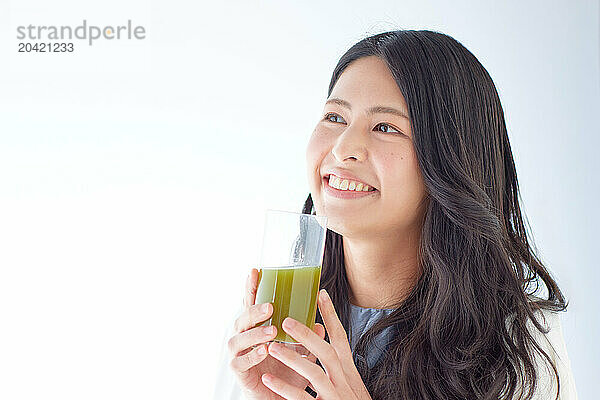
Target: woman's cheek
313, 162
316, 150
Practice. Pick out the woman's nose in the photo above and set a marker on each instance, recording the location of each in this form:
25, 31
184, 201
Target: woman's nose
350, 143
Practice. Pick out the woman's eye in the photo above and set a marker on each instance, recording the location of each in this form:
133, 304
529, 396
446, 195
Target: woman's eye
387, 128
329, 116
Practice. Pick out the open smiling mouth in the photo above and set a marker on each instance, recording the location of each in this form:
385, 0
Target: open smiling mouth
346, 188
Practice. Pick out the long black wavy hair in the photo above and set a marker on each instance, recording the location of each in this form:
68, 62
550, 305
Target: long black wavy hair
462, 331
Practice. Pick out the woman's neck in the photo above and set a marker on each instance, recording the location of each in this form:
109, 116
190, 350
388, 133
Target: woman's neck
381, 274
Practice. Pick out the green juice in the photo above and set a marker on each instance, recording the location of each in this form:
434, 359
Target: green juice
293, 292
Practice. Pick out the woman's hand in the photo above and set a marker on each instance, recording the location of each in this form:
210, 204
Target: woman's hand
247, 360
339, 381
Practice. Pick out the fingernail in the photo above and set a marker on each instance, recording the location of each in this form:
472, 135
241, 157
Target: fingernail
289, 323
268, 330
324, 295
265, 308
275, 348
261, 350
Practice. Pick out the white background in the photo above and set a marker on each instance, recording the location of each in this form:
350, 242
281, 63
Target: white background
134, 175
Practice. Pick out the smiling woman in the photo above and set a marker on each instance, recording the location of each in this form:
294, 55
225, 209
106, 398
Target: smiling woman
432, 283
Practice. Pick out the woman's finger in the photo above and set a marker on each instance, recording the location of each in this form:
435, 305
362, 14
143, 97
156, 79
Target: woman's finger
251, 287
317, 346
339, 342
246, 361
252, 316
337, 334
312, 372
284, 389
250, 338
319, 330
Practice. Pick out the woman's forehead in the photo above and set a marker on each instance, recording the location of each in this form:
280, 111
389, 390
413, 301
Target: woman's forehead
366, 82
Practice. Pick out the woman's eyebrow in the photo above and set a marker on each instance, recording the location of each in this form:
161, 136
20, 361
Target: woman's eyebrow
372, 110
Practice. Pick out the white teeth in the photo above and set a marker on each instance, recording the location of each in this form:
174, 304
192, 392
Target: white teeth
348, 185
336, 182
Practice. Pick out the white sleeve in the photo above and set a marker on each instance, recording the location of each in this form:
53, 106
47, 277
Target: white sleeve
554, 345
226, 386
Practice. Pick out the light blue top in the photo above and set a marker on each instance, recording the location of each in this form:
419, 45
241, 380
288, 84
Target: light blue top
361, 320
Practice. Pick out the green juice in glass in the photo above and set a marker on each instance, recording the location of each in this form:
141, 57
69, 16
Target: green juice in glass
293, 292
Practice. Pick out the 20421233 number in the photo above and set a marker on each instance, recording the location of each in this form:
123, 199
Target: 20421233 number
45, 47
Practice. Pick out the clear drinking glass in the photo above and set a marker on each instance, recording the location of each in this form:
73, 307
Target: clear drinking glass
290, 268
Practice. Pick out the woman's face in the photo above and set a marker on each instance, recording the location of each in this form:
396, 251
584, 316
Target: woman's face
375, 148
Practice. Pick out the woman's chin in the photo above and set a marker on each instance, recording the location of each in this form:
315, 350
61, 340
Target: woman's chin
346, 225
